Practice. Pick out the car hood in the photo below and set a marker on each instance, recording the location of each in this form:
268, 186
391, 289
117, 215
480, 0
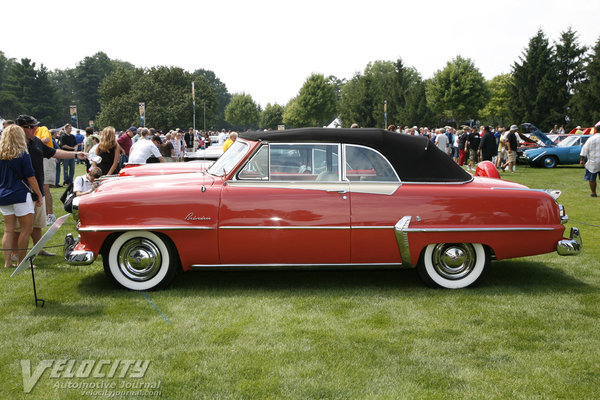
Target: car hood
539, 134
165, 168
152, 184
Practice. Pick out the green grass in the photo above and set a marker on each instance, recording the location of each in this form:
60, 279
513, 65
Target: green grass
530, 330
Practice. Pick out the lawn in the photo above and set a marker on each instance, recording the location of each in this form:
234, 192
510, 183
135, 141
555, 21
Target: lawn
530, 330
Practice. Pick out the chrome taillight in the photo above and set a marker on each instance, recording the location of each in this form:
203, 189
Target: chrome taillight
564, 218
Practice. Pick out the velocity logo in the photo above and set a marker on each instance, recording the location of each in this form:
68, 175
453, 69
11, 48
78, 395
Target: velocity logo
69, 369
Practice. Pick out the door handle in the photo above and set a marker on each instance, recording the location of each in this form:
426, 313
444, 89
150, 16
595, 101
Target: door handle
340, 191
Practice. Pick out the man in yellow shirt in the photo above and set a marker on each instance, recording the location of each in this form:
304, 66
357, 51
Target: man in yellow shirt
232, 137
45, 136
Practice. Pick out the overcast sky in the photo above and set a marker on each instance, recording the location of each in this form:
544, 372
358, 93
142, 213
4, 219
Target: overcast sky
268, 48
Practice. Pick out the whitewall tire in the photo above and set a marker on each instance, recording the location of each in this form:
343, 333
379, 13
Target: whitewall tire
140, 260
453, 265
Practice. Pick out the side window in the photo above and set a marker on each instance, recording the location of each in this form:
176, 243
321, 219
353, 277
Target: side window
258, 166
303, 162
364, 164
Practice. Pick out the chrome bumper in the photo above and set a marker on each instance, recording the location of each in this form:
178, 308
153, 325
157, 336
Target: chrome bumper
76, 257
571, 246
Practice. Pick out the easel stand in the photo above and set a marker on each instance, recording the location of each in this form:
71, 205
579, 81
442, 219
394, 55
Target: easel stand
42, 301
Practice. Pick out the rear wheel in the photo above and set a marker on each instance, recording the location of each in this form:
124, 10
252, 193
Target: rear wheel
453, 265
140, 260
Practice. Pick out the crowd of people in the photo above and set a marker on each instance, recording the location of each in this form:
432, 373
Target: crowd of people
31, 157
469, 146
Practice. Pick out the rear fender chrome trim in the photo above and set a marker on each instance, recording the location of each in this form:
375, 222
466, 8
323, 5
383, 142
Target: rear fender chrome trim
401, 230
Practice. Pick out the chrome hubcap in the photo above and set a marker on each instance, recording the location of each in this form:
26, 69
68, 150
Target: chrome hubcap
453, 260
139, 259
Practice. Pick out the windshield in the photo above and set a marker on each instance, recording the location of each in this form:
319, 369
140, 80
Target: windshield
570, 141
229, 159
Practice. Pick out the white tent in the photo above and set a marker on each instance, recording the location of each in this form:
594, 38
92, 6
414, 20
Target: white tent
336, 123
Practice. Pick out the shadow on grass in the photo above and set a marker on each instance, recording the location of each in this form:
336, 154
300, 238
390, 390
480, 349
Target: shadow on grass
503, 276
53, 308
530, 276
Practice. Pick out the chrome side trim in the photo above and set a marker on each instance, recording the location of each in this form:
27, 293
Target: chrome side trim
298, 185
439, 183
296, 266
371, 227
143, 228
382, 188
285, 227
401, 230
507, 229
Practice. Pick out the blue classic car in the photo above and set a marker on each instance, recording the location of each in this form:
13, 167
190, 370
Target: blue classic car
550, 154
565, 152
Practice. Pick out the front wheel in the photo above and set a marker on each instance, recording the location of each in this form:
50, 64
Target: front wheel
549, 162
140, 260
453, 265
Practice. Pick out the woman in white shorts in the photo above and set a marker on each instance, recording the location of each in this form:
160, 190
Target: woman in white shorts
17, 177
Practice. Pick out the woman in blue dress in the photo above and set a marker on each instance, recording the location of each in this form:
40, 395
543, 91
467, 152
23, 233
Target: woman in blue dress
16, 179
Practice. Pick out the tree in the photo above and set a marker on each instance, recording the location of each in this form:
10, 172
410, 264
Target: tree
457, 92
19, 88
535, 86
356, 102
271, 116
9, 102
220, 90
363, 97
570, 64
242, 111
315, 105
166, 92
497, 110
87, 76
586, 100
46, 106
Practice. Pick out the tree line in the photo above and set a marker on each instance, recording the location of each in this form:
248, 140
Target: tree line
550, 84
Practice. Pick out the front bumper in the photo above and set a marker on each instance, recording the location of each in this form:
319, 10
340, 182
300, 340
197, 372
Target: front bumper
76, 256
571, 246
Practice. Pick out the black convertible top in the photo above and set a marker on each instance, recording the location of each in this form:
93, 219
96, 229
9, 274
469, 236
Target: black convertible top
414, 158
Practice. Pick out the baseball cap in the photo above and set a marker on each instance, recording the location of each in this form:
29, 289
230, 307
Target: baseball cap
514, 128
26, 120
157, 139
133, 129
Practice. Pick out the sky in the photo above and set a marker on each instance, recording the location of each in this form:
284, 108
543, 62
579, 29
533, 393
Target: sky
269, 48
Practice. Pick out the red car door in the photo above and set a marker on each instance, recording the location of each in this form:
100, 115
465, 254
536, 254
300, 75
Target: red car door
287, 206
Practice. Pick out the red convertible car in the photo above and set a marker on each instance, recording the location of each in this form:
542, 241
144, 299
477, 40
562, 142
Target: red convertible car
357, 198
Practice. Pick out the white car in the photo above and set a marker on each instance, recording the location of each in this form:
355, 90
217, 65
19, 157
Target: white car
210, 153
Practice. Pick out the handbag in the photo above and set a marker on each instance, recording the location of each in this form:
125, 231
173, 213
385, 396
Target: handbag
34, 195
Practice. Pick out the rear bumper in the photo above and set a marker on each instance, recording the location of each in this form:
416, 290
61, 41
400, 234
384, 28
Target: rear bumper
75, 255
571, 246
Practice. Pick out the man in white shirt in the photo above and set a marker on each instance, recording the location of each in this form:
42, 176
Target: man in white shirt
144, 149
222, 137
591, 151
441, 140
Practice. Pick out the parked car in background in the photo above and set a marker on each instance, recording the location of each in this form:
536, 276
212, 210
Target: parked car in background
210, 153
317, 198
565, 152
